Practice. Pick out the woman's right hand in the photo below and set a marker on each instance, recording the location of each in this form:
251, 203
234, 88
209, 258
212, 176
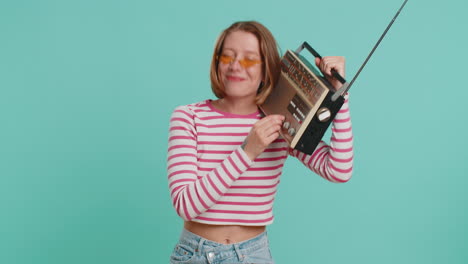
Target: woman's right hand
262, 134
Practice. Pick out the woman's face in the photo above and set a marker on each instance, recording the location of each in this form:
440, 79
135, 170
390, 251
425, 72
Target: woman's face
241, 71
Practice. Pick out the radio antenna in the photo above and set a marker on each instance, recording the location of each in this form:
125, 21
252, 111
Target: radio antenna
344, 89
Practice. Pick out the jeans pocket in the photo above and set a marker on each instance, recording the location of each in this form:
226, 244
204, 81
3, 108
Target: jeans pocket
182, 254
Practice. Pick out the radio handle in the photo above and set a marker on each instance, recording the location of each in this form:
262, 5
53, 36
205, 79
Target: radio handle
334, 73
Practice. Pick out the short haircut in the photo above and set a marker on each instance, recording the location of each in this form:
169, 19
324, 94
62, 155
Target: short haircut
269, 55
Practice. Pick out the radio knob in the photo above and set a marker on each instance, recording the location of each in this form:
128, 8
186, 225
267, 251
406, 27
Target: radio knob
286, 125
323, 114
291, 131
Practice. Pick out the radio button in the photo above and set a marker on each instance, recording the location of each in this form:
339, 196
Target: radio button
286, 125
292, 131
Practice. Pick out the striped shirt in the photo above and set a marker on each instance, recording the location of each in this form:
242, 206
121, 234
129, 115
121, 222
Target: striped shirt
213, 181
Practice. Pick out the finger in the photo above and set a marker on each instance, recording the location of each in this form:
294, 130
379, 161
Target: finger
273, 116
336, 63
271, 130
272, 138
338, 67
277, 119
328, 65
317, 62
266, 129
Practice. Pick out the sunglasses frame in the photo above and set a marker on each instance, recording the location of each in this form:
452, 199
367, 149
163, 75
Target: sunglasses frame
245, 63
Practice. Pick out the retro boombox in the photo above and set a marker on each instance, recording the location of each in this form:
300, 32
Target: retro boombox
306, 99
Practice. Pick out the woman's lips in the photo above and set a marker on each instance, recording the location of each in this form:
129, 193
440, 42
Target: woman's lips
235, 78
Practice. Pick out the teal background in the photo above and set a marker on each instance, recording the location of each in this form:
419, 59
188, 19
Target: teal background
87, 88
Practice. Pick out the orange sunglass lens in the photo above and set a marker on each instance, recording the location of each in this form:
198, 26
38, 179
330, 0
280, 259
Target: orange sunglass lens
246, 63
226, 59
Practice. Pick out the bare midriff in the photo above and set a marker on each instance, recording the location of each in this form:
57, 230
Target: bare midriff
224, 234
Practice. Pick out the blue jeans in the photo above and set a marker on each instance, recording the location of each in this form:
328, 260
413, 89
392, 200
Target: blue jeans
194, 249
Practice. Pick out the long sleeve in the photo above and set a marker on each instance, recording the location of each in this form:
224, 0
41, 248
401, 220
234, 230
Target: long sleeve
333, 162
192, 191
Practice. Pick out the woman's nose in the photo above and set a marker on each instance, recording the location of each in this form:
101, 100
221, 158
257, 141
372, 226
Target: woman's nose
235, 65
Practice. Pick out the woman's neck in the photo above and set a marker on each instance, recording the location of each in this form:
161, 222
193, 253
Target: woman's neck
236, 106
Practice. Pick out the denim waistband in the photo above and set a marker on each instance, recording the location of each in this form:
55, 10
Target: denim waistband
204, 246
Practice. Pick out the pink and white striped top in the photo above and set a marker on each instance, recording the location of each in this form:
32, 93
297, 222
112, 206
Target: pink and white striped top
212, 180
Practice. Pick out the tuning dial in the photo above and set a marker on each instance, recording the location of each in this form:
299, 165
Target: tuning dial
286, 125
291, 131
323, 114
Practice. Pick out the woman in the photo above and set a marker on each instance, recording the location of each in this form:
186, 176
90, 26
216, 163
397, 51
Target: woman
225, 159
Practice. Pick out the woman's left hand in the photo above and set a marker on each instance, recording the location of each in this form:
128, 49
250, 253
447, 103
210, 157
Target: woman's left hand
326, 64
